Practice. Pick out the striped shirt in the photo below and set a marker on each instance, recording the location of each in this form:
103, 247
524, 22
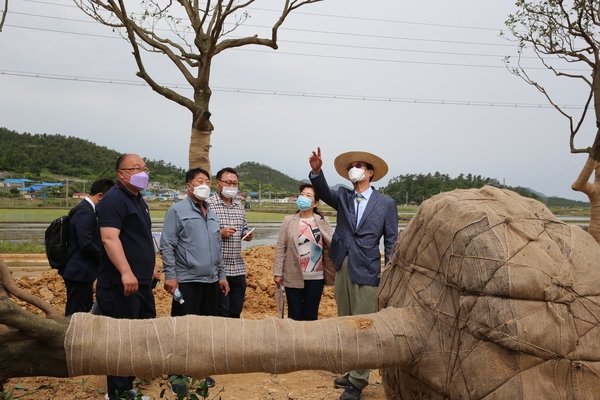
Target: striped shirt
231, 249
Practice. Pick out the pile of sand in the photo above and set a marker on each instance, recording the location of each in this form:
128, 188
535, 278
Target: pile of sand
259, 303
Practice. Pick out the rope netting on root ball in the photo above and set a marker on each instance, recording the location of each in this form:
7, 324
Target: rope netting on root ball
504, 301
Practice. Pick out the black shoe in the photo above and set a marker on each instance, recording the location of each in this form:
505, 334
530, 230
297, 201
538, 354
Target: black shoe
351, 393
210, 382
341, 381
179, 388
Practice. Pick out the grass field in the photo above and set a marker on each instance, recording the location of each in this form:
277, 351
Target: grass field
48, 215
259, 214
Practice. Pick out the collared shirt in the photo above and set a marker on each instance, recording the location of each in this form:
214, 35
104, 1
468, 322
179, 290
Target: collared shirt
87, 198
231, 248
360, 206
128, 213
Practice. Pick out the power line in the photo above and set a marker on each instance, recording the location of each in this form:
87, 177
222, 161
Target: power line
387, 61
288, 93
316, 55
346, 46
50, 4
557, 175
381, 20
462, 54
67, 32
320, 15
284, 28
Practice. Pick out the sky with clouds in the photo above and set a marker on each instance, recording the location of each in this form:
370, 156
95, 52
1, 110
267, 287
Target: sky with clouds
422, 84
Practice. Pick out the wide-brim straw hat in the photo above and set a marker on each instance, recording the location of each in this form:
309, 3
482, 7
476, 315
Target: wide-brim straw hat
341, 162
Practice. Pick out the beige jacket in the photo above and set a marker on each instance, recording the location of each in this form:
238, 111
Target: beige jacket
286, 252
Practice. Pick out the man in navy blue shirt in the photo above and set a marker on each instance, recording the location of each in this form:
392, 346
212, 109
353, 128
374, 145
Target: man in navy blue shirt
84, 250
124, 288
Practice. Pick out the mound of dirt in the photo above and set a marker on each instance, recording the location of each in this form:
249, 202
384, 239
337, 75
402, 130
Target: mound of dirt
259, 304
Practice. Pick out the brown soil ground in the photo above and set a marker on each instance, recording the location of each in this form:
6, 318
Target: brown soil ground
259, 304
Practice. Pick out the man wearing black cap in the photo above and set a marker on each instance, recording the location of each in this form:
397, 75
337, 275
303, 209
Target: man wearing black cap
364, 216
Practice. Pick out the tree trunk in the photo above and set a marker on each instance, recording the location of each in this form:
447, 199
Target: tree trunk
31, 345
199, 149
200, 140
592, 190
201, 346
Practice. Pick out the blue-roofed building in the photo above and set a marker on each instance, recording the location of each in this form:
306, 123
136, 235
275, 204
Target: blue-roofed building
16, 182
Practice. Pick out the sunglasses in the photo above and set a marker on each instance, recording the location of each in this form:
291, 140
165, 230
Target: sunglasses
356, 165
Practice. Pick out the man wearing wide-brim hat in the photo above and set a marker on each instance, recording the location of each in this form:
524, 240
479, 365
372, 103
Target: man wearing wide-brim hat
364, 216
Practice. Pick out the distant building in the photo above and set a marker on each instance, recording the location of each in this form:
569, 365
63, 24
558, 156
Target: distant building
12, 182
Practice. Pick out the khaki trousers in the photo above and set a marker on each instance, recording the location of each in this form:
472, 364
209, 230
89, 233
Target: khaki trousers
354, 299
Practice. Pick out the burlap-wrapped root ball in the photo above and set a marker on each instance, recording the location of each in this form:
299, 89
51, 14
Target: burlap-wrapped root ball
504, 298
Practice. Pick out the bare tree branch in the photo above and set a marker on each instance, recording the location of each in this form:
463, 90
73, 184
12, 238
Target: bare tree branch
30, 344
552, 29
208, 24
4, 12
7, 286
570, 31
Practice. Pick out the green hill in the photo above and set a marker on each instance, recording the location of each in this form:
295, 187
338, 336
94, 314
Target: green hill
416, 188
43, 157
255, 177
560, 202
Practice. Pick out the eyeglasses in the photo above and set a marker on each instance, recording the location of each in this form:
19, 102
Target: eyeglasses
356, 165
230, 183
137, 169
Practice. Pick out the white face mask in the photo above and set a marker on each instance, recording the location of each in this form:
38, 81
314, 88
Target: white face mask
229, 192
201, 192
356, 174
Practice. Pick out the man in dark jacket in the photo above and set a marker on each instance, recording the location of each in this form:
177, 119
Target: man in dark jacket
84, 249
364, 217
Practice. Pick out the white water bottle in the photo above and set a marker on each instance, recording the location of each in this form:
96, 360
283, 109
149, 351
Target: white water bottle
178, 297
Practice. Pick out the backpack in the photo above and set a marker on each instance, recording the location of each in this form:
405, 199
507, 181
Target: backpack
56, 240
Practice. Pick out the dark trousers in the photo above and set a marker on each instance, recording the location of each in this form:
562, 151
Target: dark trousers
199, 299
80, 296
115, 304
303, 304
231, 306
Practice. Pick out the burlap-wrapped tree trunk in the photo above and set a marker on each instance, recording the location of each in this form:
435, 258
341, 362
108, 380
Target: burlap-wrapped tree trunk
506, 299
487, 296
199, 149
